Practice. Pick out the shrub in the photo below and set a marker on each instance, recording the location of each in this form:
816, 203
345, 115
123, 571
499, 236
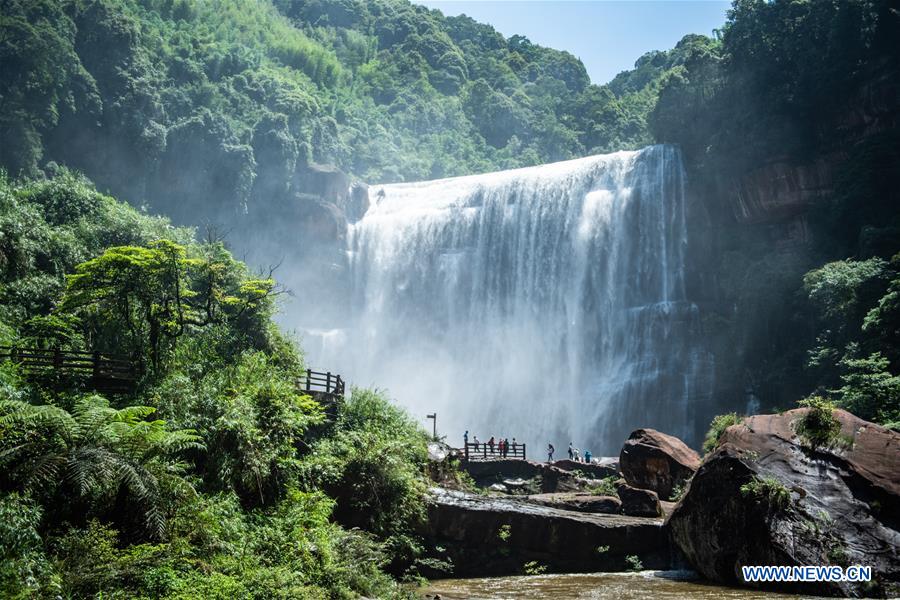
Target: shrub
25, 571
818, 427
716, 428
374, 466
634, 563
767, 491
606, 487
504, 533
678, 491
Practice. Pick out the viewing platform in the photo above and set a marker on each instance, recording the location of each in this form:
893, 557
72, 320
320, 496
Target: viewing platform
484, 451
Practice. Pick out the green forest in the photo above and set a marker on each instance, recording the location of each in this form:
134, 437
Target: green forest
215, 477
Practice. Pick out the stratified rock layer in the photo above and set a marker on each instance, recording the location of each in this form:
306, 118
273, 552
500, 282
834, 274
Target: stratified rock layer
497, 535
844, 506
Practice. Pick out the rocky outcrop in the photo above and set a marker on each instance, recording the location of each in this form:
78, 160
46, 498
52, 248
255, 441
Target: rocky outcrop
578, 502
765, 497
549, 477
655, 461
335, 187
781, 190
498, 535
591, 470
638, 502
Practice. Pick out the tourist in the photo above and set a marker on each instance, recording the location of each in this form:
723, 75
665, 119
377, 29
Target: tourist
500, 447
550, 450
475, 441
571, 452
587, 456
491, 444
577, 455
466, 438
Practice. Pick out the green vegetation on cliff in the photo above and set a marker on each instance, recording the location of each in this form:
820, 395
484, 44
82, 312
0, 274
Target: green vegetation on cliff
215, 477
200, 107
788, 126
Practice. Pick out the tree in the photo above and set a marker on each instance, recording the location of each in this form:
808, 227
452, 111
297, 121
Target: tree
143, 298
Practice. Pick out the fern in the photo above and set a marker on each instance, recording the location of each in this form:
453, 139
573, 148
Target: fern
96, 451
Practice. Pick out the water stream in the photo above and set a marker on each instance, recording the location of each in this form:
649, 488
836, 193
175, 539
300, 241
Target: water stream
596, 586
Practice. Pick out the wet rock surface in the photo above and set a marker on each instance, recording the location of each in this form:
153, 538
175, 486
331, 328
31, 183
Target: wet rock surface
835, 505
488, 535
588, 503
656, 461
547, 477
590, 470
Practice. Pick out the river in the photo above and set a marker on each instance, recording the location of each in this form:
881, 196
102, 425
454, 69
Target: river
674, 585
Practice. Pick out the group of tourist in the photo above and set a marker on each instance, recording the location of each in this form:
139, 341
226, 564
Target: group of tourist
574, 453
498, 447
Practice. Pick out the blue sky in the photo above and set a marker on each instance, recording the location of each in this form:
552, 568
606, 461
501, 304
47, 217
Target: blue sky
608, 35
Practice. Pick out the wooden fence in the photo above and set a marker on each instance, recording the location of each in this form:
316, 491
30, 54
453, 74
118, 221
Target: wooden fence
485, 451
118, 374
102, 371
317, 383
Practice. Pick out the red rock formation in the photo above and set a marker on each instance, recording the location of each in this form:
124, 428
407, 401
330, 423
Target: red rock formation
829, 505
655, 461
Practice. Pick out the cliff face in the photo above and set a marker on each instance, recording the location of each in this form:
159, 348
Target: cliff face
760, 225
784, 189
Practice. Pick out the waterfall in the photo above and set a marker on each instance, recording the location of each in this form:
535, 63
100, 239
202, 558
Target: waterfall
546, 303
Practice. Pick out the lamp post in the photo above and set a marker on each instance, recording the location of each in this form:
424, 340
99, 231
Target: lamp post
433, 417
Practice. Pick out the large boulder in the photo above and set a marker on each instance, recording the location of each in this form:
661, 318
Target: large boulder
767, 497
637, 502
655, 461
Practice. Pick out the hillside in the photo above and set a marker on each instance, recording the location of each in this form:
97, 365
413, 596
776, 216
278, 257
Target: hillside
218, 105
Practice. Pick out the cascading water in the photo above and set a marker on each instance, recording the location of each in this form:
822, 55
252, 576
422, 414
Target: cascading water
546, 303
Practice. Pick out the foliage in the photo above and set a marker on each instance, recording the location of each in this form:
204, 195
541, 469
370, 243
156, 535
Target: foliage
504, 533
767, 491
208, 110
856, 351
818, 427
534, 568
153, 294
634, 563
870, 391
203, 498
24, 569
716, 428
95, 454
678, 491
374, 466
606, 487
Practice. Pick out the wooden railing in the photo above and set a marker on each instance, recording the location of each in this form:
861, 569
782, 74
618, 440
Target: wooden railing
317, 383
485, 451
104, 372
118, 373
